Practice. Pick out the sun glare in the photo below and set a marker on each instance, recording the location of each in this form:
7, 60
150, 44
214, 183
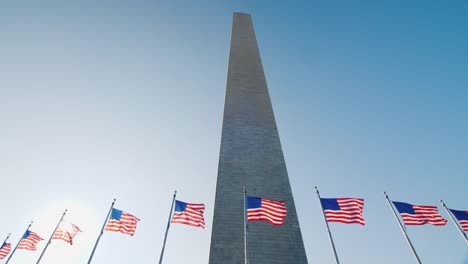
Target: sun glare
78, 213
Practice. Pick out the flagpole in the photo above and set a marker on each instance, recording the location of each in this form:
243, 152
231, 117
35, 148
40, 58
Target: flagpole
9, 234
50, 239
102, 231
246, 255
6, 238
454, 222
403, 229
328, 228
13, 252
167, 229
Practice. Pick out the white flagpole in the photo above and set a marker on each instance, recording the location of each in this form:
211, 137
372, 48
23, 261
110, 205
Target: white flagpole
246, 255
167, 229
454, 222
6, 239
403, 229
102, 232
50, 239
13, 252
328, 228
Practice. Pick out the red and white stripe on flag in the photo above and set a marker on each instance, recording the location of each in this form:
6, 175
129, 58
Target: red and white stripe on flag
464, 225
66, 232
6, 248
122, 222
189, 214
350, 211
29, 241
260, 209
424, 214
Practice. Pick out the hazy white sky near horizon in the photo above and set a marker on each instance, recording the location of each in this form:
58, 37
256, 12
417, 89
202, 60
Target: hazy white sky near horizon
124, 99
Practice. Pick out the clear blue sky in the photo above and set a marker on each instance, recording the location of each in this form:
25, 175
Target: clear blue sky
124, 99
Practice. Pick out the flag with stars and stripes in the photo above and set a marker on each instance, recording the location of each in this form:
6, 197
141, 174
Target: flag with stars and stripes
260, 209
4, 250
189, 214
66, 232
120, 221
420, 214
343, 210
29, 241
462, 217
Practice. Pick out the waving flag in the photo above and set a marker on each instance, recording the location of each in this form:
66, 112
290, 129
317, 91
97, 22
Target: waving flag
419, 214
189, 214
66, 232
462, 217
4, 250
343, 210
260, 209
29, 241
122, 222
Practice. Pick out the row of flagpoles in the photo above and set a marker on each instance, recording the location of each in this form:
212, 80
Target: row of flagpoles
341, 210
116, 221
350, 211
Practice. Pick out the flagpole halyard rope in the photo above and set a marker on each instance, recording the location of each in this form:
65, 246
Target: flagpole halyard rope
328, 228
403, 229
167, 228
454, 222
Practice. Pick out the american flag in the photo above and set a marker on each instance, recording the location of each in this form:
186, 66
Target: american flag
419, 214
66, 232
29, 241
4, 250
189, 214
122, 222
260, 209
462, 217
343, 210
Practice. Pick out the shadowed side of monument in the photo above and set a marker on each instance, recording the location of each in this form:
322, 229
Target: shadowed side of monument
251, 156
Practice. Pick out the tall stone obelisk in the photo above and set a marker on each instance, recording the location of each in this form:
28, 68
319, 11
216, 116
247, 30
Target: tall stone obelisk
251, 156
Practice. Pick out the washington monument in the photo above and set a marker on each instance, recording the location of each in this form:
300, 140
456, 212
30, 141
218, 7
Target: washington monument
251, 156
